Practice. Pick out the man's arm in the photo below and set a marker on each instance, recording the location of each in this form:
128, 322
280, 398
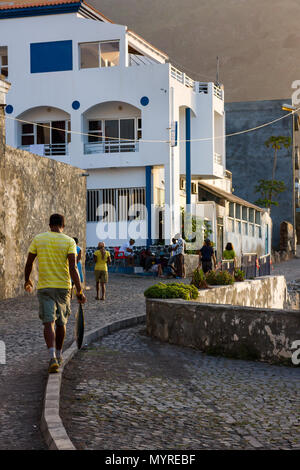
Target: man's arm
75, 278
28, 268
79, 256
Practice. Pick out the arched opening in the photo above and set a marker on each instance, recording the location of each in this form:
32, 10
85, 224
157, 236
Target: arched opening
44, 130
111, 127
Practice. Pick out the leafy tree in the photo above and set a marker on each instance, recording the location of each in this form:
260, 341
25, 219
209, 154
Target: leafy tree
276, 143
269, 189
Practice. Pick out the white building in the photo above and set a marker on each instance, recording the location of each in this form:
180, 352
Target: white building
143, 131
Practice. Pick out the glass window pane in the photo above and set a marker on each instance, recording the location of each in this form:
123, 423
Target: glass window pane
43, 133
257, 218
89, 55
4, 60
231, 209
95, 125
109, 54
245, 213
237, 211
251, 215
58, 136
27, 140
27, 128
127, 129
111, 130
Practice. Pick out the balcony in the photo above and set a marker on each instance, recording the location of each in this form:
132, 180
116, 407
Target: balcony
47, 150
110, 147
198, 87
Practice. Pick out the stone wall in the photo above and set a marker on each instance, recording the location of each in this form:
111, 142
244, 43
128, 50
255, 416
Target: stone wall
263, 292
31, 189
231, 331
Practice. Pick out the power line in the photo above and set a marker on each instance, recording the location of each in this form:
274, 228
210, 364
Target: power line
159, 141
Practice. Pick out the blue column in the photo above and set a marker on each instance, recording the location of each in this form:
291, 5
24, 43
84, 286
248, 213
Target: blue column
188, 169
149, 202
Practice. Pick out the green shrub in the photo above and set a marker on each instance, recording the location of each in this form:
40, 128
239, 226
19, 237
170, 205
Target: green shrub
239, 275
198, 279
221, 278
173, 290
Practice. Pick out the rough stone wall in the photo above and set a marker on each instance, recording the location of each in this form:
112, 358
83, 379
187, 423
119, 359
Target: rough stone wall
265, 292
250, 160
240, 332
31, 189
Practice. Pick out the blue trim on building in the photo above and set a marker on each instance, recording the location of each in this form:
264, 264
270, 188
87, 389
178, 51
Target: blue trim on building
144, 101
188, 173
148, 170
76, 105
9, 109
39, 10
54, 56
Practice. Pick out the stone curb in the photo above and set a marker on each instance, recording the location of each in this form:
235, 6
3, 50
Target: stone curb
52, 427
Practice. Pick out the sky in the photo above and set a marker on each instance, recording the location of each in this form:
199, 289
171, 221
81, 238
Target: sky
257, 41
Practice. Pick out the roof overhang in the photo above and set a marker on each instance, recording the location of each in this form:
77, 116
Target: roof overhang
228, 196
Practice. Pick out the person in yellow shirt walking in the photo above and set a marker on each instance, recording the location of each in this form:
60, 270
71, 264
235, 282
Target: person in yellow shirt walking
101, 258
56, 255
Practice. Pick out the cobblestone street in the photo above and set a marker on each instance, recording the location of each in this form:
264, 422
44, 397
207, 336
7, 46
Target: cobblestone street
162, 395
132, 392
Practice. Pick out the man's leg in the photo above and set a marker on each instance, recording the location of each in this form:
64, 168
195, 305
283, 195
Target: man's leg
49, 335
60, 334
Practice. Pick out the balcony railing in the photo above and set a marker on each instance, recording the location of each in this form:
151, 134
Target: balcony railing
110, 147
47, 150
182, 77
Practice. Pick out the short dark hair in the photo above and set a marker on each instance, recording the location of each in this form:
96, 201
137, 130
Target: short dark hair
76, 240
57, 220
229, 246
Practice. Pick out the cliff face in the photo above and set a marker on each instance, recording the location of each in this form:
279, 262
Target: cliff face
256, 41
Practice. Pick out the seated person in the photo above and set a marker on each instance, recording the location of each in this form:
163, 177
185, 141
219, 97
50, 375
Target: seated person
127, 249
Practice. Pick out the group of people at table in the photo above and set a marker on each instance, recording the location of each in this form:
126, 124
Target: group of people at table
172, 267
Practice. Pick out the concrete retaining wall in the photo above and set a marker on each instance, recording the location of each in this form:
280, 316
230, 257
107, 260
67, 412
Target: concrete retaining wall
232, 331
264, 292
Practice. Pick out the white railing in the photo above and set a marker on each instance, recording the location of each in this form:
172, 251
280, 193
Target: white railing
110, 147
181, 77
218, 158
218, 92
202, 87
48, 150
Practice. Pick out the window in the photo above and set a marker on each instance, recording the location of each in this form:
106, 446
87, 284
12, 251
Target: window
95, 131
245, 213
257, 218
52, 134
3, 61
113, 205
99, 54
117, 135
139, 129
231, 209
237, 211
251, 215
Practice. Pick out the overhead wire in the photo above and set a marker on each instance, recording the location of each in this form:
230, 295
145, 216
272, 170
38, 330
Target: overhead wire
156, 140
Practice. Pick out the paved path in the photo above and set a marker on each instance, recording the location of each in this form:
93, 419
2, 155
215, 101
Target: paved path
131, 392
290, 269
23, 378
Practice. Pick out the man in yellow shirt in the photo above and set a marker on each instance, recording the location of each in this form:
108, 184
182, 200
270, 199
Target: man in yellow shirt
101, 258
56, 254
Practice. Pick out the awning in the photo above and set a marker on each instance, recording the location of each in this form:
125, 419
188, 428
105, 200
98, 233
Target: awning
228, 196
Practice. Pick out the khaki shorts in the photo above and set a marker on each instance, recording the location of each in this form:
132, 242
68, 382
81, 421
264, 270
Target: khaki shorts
54, 305
101, 276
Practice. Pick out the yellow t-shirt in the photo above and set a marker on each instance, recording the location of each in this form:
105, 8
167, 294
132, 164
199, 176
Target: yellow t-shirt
52, 250
101, 264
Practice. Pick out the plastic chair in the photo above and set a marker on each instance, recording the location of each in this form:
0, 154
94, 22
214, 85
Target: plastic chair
119, 255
